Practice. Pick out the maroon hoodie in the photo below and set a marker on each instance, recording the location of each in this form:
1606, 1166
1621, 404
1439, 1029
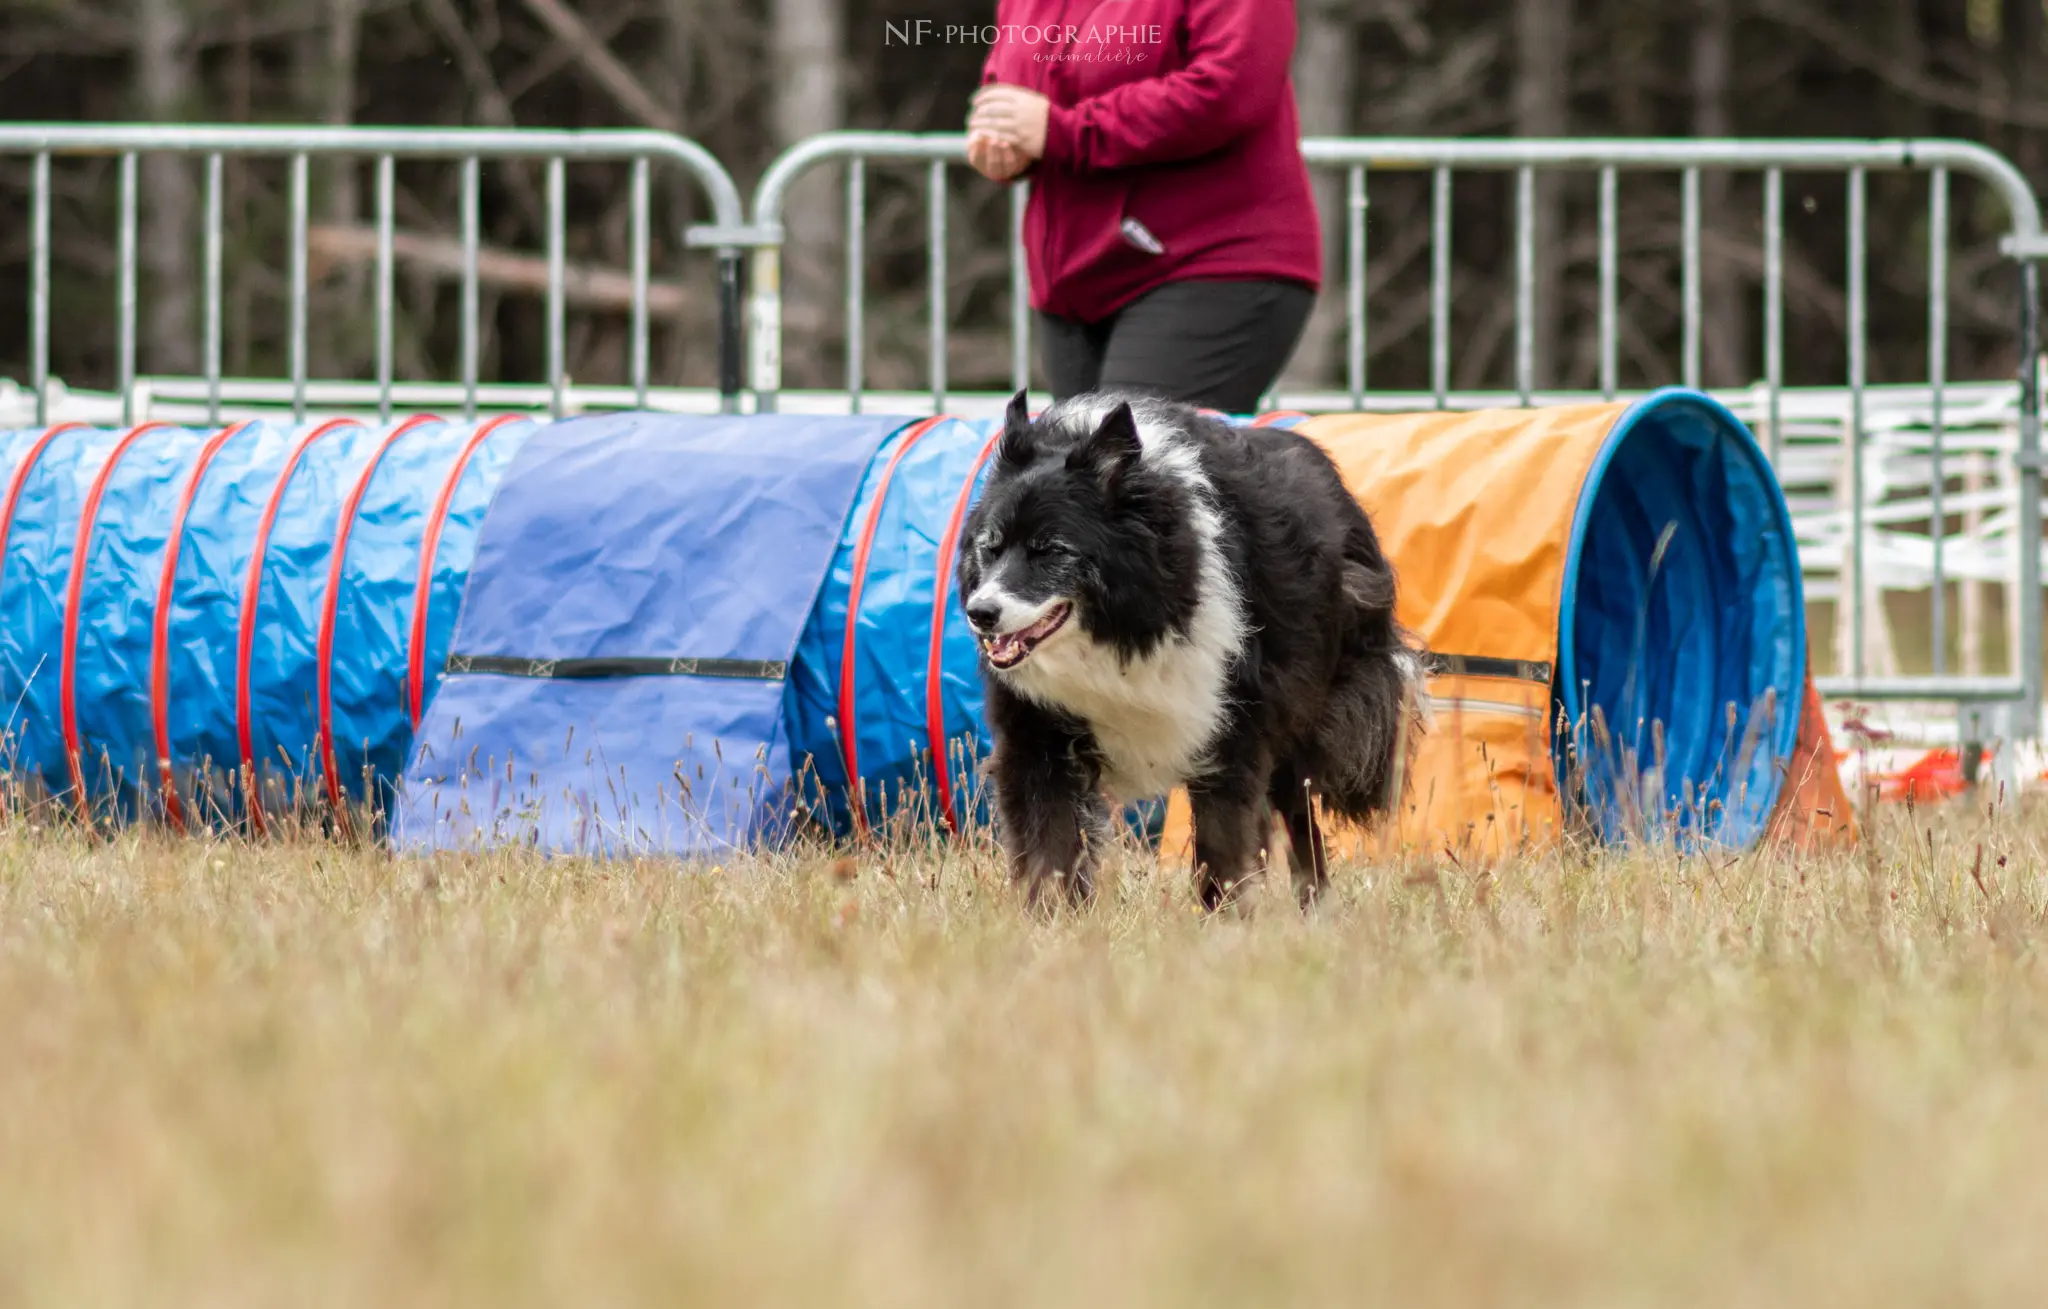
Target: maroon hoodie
1173, 151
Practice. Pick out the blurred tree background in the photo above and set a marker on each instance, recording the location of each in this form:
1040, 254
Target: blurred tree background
747, 78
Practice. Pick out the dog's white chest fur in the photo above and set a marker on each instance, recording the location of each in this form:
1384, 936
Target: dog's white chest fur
1155, 718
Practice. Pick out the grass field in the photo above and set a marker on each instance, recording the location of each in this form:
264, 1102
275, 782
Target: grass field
300, 1074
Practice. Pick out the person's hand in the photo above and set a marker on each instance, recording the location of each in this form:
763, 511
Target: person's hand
995, 158
1012, 114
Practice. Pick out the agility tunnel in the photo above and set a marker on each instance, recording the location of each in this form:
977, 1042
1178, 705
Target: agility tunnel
643, 633
208, 623
1610, 598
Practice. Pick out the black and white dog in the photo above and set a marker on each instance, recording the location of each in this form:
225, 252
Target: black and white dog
1163, 599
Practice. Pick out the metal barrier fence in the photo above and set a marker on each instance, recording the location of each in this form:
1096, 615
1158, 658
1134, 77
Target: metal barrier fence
386, 146
2017, 695
734, 236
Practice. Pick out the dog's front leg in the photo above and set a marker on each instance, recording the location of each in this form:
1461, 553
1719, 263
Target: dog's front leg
1051, 831
1047, 801
1232, 826
1097, 831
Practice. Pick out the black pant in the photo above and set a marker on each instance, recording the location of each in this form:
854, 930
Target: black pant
1215, 344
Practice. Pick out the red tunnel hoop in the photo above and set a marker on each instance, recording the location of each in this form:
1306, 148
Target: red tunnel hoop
74, 598
935, 659
252, 595
1273, 418
848, 727
160, 624
430, 549
330, 607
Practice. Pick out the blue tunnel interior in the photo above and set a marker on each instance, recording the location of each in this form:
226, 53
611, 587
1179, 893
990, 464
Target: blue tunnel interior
1682, 631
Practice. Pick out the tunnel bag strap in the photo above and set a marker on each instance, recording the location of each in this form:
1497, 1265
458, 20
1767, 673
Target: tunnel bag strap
1519, 670
743, 670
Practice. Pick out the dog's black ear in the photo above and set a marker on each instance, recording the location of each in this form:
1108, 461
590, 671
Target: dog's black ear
1019, 445
1114, 449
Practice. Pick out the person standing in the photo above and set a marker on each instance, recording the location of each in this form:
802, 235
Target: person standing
1171, 236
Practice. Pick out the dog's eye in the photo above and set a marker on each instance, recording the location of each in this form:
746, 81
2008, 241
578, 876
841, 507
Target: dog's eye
1047, 546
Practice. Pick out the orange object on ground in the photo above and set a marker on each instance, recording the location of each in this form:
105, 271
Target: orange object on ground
1936, 775
1814, 811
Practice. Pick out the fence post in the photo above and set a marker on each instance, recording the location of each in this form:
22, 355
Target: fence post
731, 331
764, 326
2028, 656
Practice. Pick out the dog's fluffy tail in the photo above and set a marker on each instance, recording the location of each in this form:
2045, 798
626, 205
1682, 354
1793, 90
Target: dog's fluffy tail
1368, 731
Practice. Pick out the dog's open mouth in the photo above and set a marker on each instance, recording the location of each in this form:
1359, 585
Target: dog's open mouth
1008, 649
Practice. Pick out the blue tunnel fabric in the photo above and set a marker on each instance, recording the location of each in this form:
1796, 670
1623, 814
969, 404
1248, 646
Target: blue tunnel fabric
119, 597
117, 611
373, 615
206, 601
1682, 607
32, 584
282, 668
893, 644
637, 537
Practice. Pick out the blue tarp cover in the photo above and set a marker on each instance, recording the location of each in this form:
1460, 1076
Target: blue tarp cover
636, 537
